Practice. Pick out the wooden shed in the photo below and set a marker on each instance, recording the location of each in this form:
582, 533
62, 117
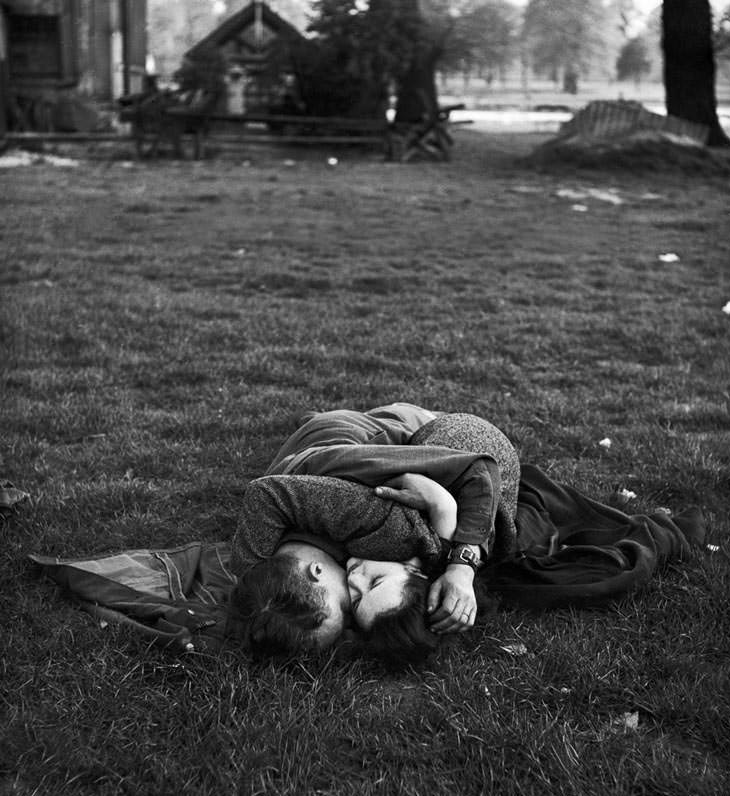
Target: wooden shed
58, 57
255, 44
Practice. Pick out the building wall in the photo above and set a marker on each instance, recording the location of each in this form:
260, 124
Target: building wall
95, 57
135, 53
4, 86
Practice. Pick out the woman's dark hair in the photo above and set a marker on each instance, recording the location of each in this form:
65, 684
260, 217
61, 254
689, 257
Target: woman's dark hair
401, 637
278, 609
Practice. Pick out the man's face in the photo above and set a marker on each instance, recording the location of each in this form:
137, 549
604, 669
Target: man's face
332, 583
324, 574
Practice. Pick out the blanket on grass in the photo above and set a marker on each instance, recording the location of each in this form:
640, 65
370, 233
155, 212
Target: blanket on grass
572, 551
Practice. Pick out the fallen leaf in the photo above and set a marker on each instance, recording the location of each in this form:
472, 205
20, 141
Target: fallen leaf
629, 721
569, 193
514, 649
605, 443
669, 257
605, 196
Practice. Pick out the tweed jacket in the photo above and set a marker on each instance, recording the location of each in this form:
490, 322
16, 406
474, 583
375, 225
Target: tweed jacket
323, 474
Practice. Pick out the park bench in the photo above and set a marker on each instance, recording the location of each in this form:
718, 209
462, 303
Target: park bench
430, 137
187, 120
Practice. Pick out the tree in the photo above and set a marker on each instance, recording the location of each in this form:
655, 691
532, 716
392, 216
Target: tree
689, 65
721, 39
358, 52
562, 37
361, 50
633, 61
483, 39
174, 28
429, 24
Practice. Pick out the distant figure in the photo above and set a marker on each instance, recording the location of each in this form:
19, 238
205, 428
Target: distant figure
235, 85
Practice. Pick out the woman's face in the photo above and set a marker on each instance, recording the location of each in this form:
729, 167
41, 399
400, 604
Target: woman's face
376, 587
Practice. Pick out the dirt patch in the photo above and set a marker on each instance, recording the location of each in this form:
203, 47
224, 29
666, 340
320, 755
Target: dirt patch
639, 155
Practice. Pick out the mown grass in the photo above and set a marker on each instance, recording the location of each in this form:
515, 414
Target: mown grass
162, 325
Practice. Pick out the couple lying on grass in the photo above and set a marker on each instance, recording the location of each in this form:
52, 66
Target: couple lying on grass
382, 525
381, 522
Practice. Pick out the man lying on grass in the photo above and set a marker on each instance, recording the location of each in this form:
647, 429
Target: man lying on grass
297, 529
566, 549
546, 546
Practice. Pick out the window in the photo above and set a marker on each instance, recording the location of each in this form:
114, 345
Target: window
34, 46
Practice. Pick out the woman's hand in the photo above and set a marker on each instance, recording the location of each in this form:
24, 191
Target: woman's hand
422, 493
452, 604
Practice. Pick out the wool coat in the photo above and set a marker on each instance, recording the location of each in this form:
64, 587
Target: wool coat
319, 487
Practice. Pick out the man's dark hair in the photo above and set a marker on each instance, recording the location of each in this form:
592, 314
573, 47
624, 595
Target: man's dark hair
278, 608
401, 637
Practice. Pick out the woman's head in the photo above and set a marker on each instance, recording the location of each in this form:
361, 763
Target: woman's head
389, 607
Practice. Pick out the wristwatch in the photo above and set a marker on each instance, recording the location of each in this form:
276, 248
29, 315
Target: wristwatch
463, 554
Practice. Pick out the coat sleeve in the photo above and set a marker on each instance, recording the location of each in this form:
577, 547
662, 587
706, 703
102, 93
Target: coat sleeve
473, 479
338, 511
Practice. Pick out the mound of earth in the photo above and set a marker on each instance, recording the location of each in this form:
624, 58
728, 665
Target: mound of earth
625, 135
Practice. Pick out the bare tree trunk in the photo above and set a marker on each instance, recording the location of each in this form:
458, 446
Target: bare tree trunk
417, 96
689, 65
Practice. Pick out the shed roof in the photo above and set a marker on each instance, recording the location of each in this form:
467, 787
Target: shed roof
255, 25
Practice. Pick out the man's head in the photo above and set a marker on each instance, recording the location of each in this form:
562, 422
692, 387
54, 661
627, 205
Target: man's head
295, 601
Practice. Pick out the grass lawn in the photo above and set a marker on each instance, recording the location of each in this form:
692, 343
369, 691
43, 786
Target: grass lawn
161, 326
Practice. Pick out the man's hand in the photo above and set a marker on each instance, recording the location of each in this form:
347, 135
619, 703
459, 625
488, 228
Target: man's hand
451, 602
410, 489
422, 493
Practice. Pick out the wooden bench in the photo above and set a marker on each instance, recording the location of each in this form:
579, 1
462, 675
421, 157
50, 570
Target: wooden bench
161, 116
430, 137
286, 129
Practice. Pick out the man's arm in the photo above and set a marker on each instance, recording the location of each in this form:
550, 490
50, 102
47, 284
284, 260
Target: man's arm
336, 510
451, 599
473, 479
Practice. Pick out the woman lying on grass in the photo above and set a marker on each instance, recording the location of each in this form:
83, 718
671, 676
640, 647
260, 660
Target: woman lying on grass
297, 529
552, 547
570, 551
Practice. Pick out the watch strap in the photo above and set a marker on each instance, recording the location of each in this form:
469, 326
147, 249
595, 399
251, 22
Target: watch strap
463, 554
